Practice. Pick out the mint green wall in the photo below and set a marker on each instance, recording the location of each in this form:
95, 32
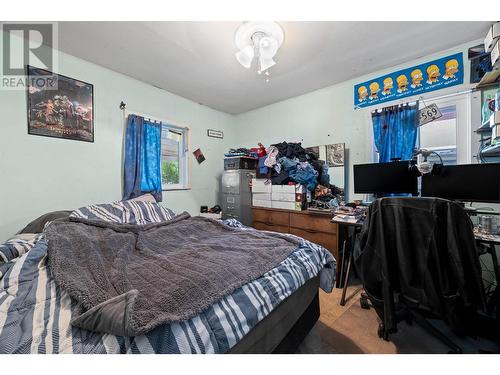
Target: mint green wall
327, 116
40, 174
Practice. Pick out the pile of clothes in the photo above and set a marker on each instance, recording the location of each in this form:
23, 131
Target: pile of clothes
289, 162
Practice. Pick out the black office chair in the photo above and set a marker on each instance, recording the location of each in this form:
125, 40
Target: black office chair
417, 260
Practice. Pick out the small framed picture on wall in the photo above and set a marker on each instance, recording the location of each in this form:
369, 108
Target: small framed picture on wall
335, 154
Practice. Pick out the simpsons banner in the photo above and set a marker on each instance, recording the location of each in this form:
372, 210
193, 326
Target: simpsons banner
417, 80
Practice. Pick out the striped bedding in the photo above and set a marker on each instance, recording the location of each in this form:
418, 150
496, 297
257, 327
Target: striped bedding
35, 314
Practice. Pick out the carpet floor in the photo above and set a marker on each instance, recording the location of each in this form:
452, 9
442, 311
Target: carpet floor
350, 329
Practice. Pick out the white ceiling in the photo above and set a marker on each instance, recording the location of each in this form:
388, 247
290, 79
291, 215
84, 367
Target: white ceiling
196, 59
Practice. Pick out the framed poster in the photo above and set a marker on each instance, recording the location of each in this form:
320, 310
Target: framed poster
416, 80
65, 110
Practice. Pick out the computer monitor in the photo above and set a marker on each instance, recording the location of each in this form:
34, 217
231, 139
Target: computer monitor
466, 182
385, 178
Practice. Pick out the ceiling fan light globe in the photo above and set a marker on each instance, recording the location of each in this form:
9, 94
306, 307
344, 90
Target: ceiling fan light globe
245, 56
266, 63
268, 46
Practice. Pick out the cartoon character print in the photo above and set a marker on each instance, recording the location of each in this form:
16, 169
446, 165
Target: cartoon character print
362, 93
374, 89
388, 86
402, 82
416, 78
432, 74
451, 67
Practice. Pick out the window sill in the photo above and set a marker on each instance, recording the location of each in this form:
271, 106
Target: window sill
176, 187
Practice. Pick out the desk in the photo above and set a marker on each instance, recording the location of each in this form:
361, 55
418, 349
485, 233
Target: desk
489, 242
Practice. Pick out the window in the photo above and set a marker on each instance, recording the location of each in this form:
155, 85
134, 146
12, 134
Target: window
450, 135
174, 158
441, 136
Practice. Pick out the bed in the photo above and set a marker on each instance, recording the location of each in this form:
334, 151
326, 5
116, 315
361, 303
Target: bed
271, 313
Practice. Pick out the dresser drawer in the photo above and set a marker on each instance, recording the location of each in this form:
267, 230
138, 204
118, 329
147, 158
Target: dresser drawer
313, 223
271, 227
271, 217
327, 240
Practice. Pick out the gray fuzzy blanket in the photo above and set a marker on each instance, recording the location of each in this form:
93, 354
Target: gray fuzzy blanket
128, 279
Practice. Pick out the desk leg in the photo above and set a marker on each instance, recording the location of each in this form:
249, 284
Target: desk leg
343, 299
345, 282
340, 279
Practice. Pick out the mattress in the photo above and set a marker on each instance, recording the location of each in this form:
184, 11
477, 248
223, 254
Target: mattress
270, 332
35, 313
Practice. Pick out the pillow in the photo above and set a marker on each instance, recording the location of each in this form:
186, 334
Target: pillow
126, 212
37, 225
143, 198
14, 248
17, 246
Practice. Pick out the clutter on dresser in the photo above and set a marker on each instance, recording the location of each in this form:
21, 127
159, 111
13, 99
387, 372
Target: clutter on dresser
287, 197
327, 197
286, 176
313, 210
286, 163
353, 214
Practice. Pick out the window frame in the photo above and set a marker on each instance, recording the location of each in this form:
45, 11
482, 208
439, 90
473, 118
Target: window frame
418, 144
463, 125
184, 160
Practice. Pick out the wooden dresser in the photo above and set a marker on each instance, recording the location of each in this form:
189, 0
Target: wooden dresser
315, 228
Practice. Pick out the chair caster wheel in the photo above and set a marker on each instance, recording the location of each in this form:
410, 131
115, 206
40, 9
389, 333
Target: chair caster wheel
364, 303
382, 333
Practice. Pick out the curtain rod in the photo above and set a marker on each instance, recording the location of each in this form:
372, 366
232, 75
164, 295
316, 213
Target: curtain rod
167, 122
463, 92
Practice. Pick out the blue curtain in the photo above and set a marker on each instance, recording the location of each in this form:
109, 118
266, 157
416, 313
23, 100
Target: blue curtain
395, 131
142, 171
